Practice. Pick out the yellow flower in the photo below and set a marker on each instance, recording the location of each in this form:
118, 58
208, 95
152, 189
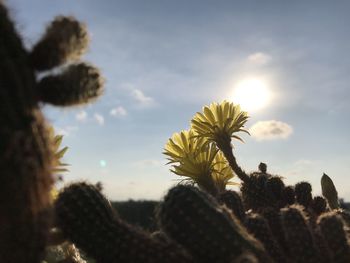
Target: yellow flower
199, 161
183, 144
222, 173
57, 165
219, 122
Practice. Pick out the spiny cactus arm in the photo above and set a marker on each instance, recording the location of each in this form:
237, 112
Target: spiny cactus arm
65, 39
345, 215
333, 230
254, 192
318, 205
301, 245
303, 193
77, 84
16, 77
10, 40
87, 219
259, 228
272, 216
275, 191
288, 195
208, 231
329, 191
233, 201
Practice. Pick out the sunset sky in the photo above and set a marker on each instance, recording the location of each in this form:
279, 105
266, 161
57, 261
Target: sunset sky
164, 60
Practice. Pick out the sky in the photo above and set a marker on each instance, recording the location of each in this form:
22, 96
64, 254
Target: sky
164, 60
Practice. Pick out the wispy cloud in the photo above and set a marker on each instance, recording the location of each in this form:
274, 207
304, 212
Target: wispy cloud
149, 163
66, 130
118, 112
99, 119
141, 98
81, 116
270, 130
259, 58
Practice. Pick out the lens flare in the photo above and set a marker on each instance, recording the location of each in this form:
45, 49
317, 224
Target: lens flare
103, 163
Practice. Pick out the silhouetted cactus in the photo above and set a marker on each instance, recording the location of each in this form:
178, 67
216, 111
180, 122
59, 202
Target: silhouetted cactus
65, 39
298, 235
273, 218
195, 228
254, 193
333, 231
303, 193
77, 84
288, 195
329, 191
259, 227
26, 151
319, 205
210, 233
87, 219
233, 201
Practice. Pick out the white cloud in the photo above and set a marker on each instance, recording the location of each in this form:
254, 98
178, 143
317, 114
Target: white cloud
270, 130
118, 112
259, 58
99, 119
81, 116
140, 97
66, 131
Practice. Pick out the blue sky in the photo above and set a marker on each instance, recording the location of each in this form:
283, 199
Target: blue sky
164, 60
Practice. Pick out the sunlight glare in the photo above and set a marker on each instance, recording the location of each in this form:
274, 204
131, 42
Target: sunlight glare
252, 94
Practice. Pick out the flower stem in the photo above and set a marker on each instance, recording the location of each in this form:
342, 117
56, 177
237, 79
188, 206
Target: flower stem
227, 150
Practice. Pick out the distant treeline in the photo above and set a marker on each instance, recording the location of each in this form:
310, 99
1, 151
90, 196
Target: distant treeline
142, 213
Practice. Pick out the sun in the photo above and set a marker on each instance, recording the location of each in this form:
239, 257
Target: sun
252, 94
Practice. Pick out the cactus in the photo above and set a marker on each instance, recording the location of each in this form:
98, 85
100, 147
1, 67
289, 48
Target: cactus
303, 193
194, 227
288, 195
259, 227
66, 39
188, 216
329, 191
333, 230
210, 233
299, 238
233, 201
319, 205
26, 150
77, 84
87, 219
